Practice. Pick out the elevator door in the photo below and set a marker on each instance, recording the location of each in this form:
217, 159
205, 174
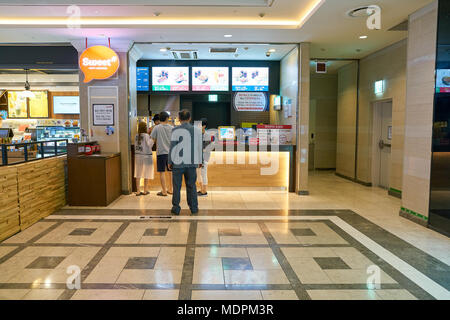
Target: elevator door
385, 144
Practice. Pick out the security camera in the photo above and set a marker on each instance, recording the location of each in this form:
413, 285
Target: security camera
268, 54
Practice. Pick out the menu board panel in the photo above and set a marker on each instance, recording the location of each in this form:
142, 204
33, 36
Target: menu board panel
143, 79
39, 105
66, 105
210, 79
170, 78
17, 105
443, 81
250, 79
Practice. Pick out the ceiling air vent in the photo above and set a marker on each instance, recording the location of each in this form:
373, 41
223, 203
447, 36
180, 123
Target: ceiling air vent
222, 50
359, 12
401, 27
185, 54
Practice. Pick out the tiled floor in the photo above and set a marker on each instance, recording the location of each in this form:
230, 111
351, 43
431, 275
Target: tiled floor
327, 191
329, 246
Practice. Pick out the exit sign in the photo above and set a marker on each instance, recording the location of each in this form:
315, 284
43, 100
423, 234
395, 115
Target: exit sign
213, 98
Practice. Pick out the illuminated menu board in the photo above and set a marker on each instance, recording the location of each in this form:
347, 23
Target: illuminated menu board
443, 81
210, 79
143, 79
250, 79
39, 105
170, 78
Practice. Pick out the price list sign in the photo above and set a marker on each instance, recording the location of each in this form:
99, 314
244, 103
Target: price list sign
103, 114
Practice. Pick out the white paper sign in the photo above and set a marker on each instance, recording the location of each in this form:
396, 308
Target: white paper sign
250, 101
103, 114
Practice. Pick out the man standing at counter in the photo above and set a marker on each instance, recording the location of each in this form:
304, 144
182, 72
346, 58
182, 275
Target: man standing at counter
161, 133
186, 155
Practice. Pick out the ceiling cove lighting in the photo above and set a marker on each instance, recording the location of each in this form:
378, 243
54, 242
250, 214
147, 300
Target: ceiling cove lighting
62, 21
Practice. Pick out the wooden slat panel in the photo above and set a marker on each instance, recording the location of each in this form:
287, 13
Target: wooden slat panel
9, 203
41, 189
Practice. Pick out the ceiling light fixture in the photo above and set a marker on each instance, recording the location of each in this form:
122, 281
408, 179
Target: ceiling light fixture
363, 37
359, 12
272, 50
164, 49
227, 35
27, 93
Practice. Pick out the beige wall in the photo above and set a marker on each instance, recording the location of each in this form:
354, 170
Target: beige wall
346, 120
323, 119
419, 109
389, 65
289, 90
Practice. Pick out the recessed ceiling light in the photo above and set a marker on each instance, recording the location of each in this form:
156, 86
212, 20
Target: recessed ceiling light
227, 35
359, 12
363, 37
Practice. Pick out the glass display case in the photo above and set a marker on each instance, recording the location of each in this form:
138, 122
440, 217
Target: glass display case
49, 133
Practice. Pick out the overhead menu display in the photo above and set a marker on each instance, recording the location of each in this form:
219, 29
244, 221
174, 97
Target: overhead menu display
143, 79
250, 79
210, 79
170, 78
443, 81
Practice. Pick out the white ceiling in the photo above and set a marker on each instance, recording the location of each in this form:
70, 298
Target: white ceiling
244, 51
331, 32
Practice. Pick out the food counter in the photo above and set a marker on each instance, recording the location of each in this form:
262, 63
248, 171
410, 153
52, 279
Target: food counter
247, 167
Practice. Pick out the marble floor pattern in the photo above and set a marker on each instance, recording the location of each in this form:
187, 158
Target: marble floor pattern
327, 192
319, 254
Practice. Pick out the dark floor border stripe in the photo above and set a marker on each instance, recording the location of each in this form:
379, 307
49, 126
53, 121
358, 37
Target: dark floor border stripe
405, 283
285, 266
188, 265
68, 293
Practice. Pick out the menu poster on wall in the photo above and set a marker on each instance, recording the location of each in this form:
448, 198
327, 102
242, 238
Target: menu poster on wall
39, 105
143, 79
17, 105
210, 79
170, 78
251, 101
443, 81
103, 114
274, 134
250, 79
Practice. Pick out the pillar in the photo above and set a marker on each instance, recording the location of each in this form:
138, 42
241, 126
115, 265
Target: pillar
114, 90
421, 61
303, 120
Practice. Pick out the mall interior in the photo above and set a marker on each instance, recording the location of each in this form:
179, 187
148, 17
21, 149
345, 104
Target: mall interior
330, 177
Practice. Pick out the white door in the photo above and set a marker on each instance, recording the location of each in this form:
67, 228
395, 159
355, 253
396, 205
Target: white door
385, 144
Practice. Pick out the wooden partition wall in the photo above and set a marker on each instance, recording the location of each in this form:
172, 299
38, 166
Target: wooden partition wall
30, 192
